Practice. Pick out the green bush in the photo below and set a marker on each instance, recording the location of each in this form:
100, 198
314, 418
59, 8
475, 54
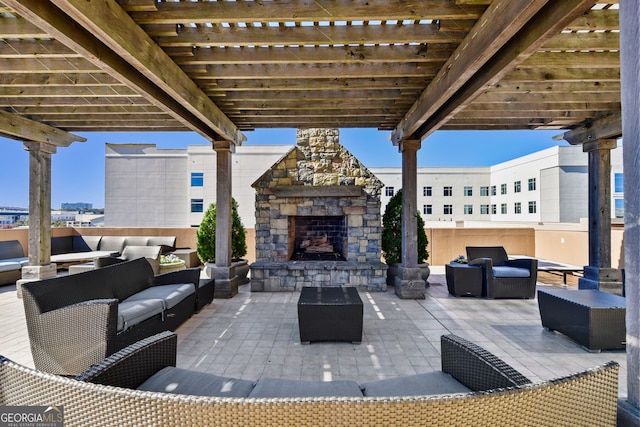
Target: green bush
392, 232
207, 235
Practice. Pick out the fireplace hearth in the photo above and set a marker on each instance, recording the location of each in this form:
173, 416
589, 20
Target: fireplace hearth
318, 219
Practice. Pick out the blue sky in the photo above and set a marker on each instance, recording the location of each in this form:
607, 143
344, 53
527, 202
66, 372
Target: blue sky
78, 170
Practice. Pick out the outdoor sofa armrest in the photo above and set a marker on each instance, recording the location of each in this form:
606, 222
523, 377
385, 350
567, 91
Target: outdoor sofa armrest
530, 264
106, 260
135, 363
475, 367
187, 275
88, 325
482, 262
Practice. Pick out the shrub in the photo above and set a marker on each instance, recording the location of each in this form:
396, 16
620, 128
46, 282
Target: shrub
207, 235
392, 232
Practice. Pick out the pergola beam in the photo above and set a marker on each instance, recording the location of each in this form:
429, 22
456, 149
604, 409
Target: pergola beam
17, 127
507, 34
105, 35
605, 128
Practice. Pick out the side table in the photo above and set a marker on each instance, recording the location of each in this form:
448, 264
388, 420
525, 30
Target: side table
464, 279
330, 314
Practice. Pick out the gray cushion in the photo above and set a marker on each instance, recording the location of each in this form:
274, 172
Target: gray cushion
8, 265
277, 387
183, 381
503, 271
415, 385
133, 312
112, 243
169, 294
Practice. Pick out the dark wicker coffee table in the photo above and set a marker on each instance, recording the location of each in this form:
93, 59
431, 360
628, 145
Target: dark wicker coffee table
593, 318
330, 314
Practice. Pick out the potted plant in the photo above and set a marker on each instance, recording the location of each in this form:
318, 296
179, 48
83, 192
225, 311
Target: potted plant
392, 239
206, 242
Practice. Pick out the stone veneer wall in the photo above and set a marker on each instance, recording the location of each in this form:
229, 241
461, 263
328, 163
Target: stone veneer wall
318, 178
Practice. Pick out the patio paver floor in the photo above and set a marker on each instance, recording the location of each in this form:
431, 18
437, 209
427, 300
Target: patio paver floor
255, 335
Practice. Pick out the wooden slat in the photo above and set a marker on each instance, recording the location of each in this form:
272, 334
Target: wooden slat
321, 83
583, 41
58, 79
304, 11
286, 36
314, 71
315, 54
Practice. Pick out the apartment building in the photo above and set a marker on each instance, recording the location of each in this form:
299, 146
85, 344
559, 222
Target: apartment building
151, 187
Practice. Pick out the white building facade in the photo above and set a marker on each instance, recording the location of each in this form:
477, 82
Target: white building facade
151, 187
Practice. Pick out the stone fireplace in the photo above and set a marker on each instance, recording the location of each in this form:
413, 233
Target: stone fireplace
318, 219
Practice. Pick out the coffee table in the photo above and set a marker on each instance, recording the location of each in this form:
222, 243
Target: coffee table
330, 314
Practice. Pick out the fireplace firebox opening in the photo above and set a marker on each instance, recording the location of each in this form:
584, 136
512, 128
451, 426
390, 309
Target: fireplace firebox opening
317, 238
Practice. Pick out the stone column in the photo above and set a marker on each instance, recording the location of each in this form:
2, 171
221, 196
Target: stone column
629, 410
409, 282
40, 266
223, 272
599, 274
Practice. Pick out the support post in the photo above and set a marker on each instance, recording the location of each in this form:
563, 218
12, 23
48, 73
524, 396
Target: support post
226, 280
629, 410
599, 274
40, 266
409, 283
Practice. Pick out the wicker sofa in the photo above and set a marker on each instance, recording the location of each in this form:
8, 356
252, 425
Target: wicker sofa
77, 320
109, 393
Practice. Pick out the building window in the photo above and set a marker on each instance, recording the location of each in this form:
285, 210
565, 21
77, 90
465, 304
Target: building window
484, 209
197, 205
532, 207
619, 208
426, 191
468, 209
618, 183
532, 184
493, 209
503, 208
517, 207
493, 190
484, 191
388, 191
448, 209
468, 191
448, 191
503, 188
427, 209
516, 187
197, 179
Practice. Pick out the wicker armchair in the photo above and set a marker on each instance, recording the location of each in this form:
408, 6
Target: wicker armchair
503, 277
584, 399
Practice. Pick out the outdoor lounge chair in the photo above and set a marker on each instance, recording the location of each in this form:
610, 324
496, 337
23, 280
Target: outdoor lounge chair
503, 277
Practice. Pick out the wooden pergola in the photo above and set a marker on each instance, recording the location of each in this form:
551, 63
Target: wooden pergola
221, 68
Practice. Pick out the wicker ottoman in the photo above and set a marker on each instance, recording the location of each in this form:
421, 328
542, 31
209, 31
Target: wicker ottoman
330, 314
593, 318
